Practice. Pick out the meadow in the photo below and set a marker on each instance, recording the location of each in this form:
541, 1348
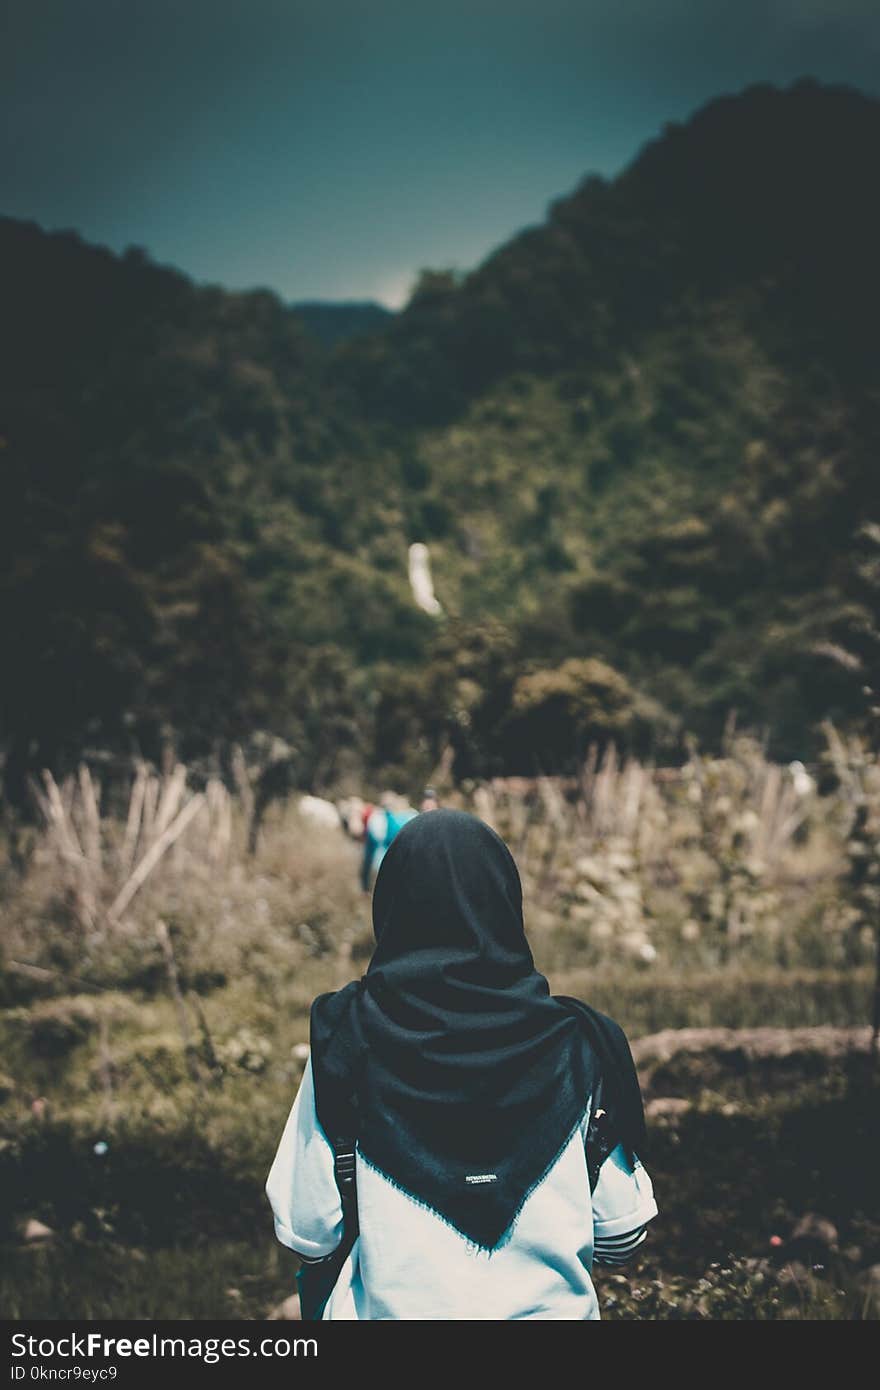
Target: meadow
157, 976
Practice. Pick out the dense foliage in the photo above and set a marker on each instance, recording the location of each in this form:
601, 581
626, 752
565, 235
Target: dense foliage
640, 441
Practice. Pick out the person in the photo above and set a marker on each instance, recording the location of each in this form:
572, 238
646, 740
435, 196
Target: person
430, 800
474, 1094
381, 823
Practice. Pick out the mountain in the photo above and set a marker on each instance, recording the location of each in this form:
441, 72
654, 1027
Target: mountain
335, 323
639, 440
768, 195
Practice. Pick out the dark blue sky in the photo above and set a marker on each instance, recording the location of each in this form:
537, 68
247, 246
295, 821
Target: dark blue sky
331, 149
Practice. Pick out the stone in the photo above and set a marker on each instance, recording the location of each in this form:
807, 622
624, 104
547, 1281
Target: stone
34, 1230
667, 1108
288, 1311
818, 1230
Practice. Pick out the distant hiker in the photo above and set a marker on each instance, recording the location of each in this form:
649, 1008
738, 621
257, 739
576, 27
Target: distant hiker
380, 827
462, 1145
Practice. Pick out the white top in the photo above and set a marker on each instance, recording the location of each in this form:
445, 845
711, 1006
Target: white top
408, 1263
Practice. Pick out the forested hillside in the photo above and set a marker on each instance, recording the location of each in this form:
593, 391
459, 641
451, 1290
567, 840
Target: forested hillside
332, 324
640, 441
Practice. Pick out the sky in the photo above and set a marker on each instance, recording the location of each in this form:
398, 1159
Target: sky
332, 149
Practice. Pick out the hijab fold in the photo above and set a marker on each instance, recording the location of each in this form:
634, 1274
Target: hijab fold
460, 1075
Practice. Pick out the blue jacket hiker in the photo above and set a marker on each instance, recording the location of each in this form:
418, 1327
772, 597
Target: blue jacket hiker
380, 828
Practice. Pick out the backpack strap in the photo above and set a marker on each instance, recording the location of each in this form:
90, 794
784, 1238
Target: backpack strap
316, 1279
345, 1173
601, 1135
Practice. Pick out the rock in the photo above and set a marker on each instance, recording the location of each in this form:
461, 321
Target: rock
34, 1230
587, 893
817, 1230
288, 1311
590, 868
667, 1108
754, 1044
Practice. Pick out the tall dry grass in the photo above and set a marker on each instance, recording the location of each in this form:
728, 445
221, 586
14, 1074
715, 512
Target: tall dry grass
728, 861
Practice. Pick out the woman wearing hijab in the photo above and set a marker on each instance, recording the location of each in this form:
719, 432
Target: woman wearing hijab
496, 1128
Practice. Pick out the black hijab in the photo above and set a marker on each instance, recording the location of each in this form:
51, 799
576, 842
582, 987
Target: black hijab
461, 1076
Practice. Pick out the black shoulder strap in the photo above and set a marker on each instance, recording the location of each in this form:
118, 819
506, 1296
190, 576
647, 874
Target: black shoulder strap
601, 1136
345, 1173
340, 1115
316, 1279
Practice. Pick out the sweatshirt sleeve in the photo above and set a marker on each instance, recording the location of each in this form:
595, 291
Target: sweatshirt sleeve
301, 1186
623, 1204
